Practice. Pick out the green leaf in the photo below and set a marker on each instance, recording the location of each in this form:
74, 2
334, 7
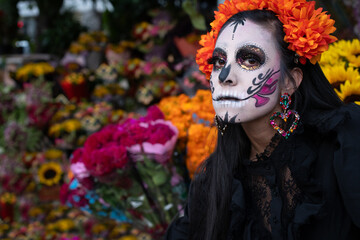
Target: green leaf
197, 20
159, 178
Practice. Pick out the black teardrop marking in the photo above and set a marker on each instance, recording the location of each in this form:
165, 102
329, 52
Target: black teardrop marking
224, 73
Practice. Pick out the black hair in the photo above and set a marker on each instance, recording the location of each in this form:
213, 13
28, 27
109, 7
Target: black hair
211, 189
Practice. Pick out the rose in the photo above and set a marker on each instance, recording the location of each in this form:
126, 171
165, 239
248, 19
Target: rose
160, 133
103, 161
98, 140
153, 113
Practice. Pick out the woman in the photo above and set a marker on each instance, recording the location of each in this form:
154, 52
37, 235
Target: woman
287, 161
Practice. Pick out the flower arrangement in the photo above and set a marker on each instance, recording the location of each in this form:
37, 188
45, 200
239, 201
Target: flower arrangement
33, 70
7, 201
341, 66
88, 41
124, 172
71, 124
75, 86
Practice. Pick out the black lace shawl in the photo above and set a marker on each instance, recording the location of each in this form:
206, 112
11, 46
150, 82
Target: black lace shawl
305, 187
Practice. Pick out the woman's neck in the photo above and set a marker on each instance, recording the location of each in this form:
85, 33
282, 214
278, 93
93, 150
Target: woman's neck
260, 133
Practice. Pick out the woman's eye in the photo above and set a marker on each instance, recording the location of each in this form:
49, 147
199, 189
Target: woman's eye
217, 62
250, 60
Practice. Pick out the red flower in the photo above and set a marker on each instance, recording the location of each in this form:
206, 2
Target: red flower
153, 113
103, 161
77, 155
160, 133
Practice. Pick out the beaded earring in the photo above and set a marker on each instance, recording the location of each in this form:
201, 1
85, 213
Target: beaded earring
220, 124
285, 101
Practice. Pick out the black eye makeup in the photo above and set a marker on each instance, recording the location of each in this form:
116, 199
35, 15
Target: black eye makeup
218, 59
250, 57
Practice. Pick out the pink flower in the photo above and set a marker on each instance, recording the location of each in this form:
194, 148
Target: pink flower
79, 170
153, 113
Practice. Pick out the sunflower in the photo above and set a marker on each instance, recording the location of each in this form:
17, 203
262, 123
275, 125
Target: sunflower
339, 74
50, 173
331, 57
351, 51
350, 91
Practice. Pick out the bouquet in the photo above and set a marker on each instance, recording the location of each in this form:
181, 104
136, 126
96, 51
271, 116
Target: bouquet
125, 172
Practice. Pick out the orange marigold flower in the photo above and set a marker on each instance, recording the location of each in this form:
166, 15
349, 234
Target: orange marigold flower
201, 143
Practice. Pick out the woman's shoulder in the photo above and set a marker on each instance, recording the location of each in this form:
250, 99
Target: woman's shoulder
343, 120
351, 123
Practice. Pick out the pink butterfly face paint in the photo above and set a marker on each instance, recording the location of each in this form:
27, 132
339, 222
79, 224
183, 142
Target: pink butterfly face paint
246, 71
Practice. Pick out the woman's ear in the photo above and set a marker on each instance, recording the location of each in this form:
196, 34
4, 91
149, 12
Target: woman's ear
297, 75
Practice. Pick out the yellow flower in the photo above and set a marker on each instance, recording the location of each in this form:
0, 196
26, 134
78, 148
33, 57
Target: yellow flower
74, 78
100, 91
71, 125
34, 69
338, 74
98, 228
128, 237
55, 130
53, 153
4, 227
65, 225
119, 230
56, 213
351, 51
8, 197
35, 211
50, 173
331, 57
76, 48
350, 91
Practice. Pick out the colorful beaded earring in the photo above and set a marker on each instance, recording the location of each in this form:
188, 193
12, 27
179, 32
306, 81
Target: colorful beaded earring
285, 101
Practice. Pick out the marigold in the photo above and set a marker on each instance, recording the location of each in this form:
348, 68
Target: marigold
201, 144
307, 30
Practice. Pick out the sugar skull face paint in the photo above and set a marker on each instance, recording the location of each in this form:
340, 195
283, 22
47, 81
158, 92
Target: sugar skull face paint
246, 71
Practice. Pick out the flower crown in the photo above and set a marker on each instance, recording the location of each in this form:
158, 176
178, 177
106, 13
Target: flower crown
307, 30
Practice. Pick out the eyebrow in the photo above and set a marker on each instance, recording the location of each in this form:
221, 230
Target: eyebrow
219, 50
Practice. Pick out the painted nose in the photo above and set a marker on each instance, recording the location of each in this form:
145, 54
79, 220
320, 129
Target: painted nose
225, 77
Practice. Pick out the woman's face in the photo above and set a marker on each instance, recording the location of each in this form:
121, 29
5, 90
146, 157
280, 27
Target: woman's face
245, 77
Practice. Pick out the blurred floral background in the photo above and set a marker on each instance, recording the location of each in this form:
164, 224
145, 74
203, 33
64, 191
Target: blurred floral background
105, 117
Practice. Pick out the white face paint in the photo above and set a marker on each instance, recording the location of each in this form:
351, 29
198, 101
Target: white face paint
245, 78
